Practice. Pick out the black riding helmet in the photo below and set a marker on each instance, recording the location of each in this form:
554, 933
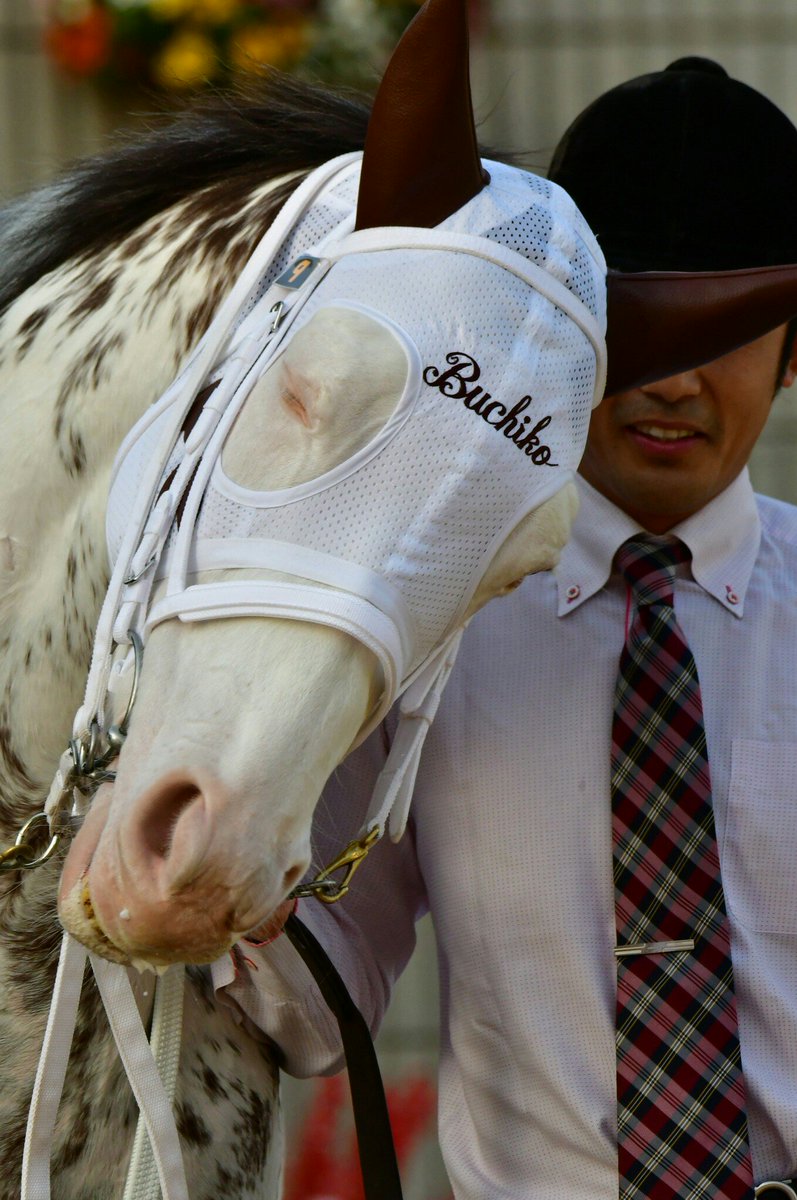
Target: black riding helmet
685, 169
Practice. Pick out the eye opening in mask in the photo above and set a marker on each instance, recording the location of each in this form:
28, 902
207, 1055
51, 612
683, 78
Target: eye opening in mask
321, 404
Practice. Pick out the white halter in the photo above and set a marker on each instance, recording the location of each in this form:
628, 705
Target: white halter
499, 313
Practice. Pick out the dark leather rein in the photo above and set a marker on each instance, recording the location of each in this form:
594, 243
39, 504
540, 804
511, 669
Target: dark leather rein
381, 1180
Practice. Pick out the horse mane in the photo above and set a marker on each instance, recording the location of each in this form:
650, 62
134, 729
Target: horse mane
217, 151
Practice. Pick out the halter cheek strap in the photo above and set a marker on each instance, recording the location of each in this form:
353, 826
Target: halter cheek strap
392, 796
177, 403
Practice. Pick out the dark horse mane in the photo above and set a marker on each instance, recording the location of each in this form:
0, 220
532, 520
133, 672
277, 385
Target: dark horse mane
218, 151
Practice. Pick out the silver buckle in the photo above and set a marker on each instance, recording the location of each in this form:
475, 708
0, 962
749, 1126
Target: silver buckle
776, 1185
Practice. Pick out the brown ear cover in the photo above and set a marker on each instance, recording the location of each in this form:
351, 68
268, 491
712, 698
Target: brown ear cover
421, 160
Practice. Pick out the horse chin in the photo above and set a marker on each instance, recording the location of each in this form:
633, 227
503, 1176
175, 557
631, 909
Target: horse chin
75, 907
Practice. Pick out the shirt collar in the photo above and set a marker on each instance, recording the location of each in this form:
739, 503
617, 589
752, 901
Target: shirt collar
723, 538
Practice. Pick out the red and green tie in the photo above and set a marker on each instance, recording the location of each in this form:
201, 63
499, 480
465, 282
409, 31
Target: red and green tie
682, 1125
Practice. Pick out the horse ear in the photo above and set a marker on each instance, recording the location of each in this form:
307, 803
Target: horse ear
421, 160
662, 323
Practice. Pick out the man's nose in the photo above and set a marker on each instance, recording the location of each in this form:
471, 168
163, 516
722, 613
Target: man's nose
674, 387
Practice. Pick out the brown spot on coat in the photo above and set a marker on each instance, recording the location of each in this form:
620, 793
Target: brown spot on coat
93, 299
29, 328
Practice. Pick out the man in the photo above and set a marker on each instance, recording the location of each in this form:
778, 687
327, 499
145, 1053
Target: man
510, 844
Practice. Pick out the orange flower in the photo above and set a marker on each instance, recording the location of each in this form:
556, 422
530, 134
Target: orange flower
81, 47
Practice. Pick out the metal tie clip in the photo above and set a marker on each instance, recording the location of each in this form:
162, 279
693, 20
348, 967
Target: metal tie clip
633, 948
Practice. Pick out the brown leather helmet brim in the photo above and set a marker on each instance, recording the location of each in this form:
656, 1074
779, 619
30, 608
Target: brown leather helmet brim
663, 322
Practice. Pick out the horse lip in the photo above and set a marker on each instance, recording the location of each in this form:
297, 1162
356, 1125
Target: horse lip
93, 921
80, 920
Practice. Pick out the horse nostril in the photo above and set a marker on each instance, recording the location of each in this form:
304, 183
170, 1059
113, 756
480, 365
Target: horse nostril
158, 829
292, 877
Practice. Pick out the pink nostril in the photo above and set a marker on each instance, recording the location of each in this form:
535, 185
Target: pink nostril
157, 831
292, 877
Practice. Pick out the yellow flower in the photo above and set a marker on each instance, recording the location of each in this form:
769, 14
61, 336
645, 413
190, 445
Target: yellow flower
215, 11
212, 12
186, 61
277, 45
170, 10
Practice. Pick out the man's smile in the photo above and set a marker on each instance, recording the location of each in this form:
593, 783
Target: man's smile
663, 433
663, 438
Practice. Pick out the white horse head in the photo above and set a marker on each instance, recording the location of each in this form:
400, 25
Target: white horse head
411, 401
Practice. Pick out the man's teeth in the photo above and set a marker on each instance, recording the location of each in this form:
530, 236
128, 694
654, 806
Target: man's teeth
665, 435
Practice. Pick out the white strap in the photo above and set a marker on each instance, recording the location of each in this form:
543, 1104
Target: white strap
145, 1076
298, 602
208, 554
205, 355
142, 1073
390, 803
150, 527
167, 1022
51, 1071
193, 375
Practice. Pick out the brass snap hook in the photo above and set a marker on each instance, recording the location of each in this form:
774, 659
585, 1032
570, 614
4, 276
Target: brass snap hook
330, 890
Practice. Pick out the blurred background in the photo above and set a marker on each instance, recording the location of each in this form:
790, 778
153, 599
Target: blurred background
74, 71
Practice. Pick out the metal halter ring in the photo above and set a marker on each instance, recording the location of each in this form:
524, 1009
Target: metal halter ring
21, 856
89, 769
91, 766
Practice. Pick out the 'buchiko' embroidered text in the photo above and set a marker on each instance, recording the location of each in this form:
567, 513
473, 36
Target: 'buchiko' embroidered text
453, 382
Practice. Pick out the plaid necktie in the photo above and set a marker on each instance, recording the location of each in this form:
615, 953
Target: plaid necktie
682, 1126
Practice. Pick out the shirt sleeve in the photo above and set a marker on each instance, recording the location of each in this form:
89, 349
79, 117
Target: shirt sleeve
369, 934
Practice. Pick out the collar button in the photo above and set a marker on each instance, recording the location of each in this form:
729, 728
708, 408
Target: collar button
573, 593
731, 594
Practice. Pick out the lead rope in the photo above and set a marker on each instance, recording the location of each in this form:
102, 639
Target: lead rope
150, 1090
143, 1182
381, 1179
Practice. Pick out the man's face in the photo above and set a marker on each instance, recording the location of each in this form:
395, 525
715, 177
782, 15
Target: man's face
663, 451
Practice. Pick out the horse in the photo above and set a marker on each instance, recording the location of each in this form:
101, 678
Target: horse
111, 275
110, 278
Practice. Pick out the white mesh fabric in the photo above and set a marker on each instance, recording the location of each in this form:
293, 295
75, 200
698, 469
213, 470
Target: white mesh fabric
331, 211
448, 485
428, 512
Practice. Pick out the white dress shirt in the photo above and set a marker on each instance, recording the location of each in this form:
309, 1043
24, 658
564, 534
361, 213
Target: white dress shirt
510, 848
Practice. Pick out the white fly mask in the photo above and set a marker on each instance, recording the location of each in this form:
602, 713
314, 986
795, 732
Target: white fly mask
487, 335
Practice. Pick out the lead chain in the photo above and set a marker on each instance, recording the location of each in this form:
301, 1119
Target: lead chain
89, 768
